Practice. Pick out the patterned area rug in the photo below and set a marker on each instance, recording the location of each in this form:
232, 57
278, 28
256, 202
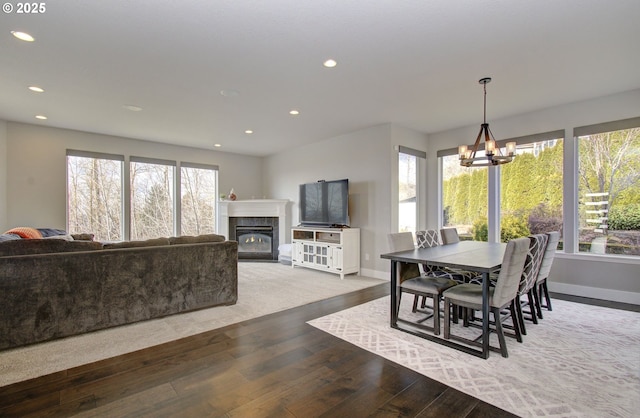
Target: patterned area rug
263, 288
579, 361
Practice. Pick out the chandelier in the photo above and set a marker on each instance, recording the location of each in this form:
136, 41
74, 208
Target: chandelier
492, 155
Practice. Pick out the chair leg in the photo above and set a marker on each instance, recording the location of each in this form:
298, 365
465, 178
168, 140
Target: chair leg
415, 304
536, 300
514, 319
447, 309
436, 314
532, 306
523, 329
546, 295
501, 339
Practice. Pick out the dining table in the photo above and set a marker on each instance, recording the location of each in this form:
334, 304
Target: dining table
483, 258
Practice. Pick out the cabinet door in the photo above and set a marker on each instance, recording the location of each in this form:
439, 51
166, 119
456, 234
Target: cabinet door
308, 253
322, 255
296, 253
336, 258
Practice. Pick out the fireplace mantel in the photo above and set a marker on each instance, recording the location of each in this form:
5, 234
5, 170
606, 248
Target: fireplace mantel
253, 208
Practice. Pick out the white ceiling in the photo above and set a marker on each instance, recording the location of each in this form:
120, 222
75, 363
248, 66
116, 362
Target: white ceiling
415, 63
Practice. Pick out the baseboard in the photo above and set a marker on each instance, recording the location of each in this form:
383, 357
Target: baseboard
595, 292
382, 275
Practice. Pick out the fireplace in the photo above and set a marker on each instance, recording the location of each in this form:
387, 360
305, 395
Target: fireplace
255, 242
257, 237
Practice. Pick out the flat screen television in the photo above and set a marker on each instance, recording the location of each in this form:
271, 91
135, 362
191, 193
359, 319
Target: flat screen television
325, 203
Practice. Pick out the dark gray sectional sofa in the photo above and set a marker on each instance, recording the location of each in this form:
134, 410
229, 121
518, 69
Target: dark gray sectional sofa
53, 288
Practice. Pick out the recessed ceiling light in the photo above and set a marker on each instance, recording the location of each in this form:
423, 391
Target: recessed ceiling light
248, 132
294, 112
217, 145
230, 93
23, 36
41, 117
36, 89
132, 108
330, 63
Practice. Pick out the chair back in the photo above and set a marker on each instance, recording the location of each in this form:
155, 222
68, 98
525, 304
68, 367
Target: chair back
512, 266
449, 236
549, 254
427, 239
533, 262
403, 241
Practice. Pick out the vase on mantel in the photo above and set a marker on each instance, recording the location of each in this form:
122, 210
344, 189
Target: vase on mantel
232, 195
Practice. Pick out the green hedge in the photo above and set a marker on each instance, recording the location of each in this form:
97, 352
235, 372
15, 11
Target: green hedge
625, 218
511, 227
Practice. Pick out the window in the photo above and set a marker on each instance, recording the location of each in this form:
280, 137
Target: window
94, 194
609, 189
98, 201
409, 188
198, 199
407, 192
464, 198
152, 198
531, 190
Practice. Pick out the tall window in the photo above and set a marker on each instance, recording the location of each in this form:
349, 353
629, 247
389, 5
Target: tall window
464, 198
97, 202
407, 192
94, 194
409, 188
198, 197
531, 190
152, 198
609, 191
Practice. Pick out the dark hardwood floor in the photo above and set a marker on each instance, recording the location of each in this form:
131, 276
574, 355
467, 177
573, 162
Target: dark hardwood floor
273, 366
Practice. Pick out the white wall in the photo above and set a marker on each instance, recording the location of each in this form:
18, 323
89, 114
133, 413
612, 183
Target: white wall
604, 277
3, 176
364, 157
36, 169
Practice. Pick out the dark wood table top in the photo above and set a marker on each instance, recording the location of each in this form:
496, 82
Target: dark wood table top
483, 257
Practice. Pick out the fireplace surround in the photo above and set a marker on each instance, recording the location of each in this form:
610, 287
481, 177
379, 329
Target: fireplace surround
255, 212
257, 237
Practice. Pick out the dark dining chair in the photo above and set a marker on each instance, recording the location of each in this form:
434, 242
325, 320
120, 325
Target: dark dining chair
503, 295
411, 281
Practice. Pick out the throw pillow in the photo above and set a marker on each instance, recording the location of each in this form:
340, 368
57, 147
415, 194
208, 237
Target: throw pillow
9, 237
51, 232
25, 232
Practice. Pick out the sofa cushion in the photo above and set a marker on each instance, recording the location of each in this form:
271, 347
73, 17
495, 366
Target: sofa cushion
153, 242
188, 239
25, 232
45, 246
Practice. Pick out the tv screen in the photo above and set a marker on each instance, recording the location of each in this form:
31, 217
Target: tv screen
325, 203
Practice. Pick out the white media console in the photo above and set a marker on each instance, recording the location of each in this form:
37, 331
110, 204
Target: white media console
335, 250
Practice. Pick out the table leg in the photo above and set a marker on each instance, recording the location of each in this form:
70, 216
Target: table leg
485, 315
394, 293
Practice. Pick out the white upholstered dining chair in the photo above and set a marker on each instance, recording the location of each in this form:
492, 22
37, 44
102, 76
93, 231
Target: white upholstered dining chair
503, 295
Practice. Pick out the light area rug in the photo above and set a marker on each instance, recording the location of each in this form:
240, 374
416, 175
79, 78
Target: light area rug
263, 288
579, 361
